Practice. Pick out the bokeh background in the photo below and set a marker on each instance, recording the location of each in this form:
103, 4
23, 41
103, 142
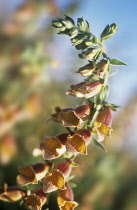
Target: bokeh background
36, 68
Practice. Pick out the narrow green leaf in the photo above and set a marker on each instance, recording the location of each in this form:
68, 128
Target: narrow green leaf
98, 144
72, 184
73, 164
117, 62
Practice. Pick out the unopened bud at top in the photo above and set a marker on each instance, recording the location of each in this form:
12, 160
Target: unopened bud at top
109, 31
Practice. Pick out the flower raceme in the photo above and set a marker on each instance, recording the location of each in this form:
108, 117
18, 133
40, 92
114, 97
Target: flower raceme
93, 118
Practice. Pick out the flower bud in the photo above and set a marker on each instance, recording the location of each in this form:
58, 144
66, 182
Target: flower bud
103, 122
66, 198
101, 68
53, 181
109, 31
11, 194
32, 174
83, 25
36, 200
86, 70
73, 32
85, 89
90, 53
68, 22
57, 24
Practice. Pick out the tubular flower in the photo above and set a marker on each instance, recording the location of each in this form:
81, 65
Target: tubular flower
11, 194
36, 200
52, 148
53, 181
72, 117
101, 68
66, 199
85, 89
103, 122
77, 143
32, 174
64, 167
86, 70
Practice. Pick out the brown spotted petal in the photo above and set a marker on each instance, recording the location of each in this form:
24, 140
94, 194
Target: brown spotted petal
52, 148
11, 194
64, 167
76, 144
36, 200
103, 122
27, 176
53, 181
86, 134
85, 89
65, 199
32, 174
86, 70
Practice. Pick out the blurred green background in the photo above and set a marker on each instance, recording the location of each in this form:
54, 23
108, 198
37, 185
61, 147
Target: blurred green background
36, 68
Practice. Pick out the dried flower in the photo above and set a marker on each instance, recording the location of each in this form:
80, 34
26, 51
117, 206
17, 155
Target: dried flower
32, 174
85, 89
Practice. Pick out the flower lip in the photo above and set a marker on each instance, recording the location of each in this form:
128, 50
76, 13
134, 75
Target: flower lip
53, 180
32, 174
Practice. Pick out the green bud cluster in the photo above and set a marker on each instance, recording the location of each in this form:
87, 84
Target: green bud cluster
92, 49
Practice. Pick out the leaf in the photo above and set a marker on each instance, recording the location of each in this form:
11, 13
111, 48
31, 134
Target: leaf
117, 62
73, 164
72, 184
98, 144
